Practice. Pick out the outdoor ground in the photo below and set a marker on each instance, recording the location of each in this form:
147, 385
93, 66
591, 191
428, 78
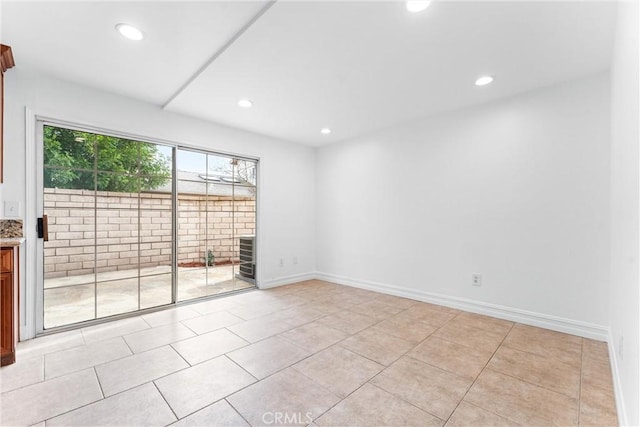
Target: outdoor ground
71, 299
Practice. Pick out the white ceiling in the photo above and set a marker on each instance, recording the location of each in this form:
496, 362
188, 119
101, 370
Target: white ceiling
352, 66
77, 41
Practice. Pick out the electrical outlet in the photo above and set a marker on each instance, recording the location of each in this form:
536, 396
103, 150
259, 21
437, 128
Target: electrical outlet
295, 260
476, 279
281, 262
621, 347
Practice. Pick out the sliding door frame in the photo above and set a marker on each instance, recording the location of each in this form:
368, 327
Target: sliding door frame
32, 325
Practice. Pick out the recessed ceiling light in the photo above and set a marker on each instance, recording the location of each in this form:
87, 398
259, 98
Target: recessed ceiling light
484, 80
417, 5
130, 32
245, 103
325, 131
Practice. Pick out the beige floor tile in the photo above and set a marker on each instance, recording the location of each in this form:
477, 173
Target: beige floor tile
288, 395
379, 347
105, 331
396, 301
401, 327
292, 299
372, 406
207, 346
41, 401
266, 357
565, 348
467, 415
434, 306
348, 321
282, 290
470, 336
211, 322
192, 389
339, 370
355, 297
539, 370
314, 336
141, 406
252, 311
157, 337
486, 323
428, 313
299, 315
316, 294
597, 407
214, 305
138, 369
593, 349
541, 365
220, 414
340, 297
522, 402
259, 298
22, 373
329, 306
431, 389
456, 358
596, 373
376, 308
261, 328
171, 315
48, 344
85, 356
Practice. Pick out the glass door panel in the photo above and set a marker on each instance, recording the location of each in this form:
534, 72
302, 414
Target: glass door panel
102, 195
208, 246
192, 268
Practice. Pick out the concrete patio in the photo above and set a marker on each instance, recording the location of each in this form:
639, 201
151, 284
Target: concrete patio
73, 299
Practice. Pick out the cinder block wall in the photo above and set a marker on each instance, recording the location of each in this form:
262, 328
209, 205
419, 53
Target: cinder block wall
129, 226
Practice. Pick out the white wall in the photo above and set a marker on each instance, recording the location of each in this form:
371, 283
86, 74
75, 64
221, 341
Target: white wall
517, 190
286, 205
625, 190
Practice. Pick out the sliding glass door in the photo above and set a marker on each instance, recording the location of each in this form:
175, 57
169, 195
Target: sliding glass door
216, 223
124, 218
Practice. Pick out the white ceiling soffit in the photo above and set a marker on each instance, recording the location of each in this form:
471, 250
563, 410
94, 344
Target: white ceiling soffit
357, 67
354, 67
76, 40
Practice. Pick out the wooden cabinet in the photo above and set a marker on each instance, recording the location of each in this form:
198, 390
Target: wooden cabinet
6, 62
9, 285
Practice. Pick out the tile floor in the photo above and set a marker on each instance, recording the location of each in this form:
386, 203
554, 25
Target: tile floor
309, 353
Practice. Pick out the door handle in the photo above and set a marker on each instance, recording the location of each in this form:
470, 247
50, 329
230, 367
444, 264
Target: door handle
43, 228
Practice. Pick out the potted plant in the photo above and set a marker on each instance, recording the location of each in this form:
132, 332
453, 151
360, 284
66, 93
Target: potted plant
210, 259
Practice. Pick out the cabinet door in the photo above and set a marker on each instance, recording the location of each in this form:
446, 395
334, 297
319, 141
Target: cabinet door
6, 310
6, 261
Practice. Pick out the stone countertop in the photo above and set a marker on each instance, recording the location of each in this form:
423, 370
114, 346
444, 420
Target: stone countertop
11, 228
10, 242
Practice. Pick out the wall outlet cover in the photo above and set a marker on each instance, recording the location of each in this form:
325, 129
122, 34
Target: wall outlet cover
476, 279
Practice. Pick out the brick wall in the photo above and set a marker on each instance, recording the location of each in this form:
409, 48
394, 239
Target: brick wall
129, 227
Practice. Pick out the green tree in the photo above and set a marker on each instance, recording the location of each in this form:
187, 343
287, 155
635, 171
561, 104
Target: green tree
122, 165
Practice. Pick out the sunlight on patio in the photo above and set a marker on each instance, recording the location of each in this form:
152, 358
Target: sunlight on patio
71, 299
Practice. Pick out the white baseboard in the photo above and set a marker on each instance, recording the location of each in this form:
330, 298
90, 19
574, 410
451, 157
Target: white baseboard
569, 326
285, 280
617, 386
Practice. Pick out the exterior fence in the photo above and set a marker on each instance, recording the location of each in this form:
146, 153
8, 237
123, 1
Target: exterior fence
131, 229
